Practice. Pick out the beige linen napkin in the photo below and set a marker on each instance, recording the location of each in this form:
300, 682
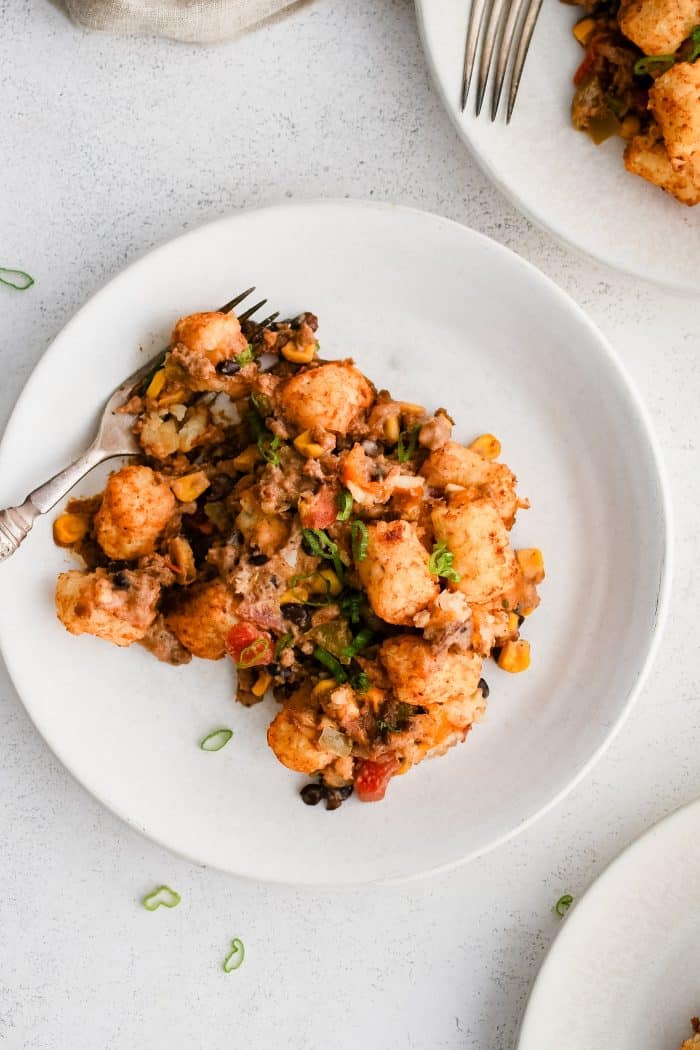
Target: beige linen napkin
193, 21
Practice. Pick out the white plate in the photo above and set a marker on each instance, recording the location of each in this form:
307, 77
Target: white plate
581, 193
436, 313
623, 974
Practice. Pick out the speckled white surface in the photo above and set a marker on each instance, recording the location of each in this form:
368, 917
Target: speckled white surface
109, 147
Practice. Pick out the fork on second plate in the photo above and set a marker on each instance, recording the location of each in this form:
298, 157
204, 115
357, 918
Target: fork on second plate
503, 28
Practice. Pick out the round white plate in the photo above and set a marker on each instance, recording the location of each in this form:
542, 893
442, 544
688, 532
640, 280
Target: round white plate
581, 193
624, 973
438, 314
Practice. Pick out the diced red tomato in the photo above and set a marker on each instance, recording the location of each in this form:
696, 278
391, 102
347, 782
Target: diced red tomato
318, 510
372, 778
249, 646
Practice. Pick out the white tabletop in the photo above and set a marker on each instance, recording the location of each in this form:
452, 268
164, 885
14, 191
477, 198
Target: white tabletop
111, 146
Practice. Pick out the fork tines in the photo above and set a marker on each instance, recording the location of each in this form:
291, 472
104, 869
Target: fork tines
504, 28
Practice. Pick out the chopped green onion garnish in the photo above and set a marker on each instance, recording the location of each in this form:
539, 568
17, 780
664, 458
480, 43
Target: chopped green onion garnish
216, 740
505, 603
359, 540
657, 63
262, 404
360, 642
344, 501
405, 452
563, 905
16, 279
320, 544
440, 563
235, 957
163, 895
695, 50
351, 605
283, 643
246, 356
330, 663
360, 682
267, 447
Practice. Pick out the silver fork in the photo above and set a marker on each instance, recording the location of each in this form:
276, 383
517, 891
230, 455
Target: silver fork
509, 25
114, 438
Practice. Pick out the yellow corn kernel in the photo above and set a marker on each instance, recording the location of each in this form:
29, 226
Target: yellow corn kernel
322, 688
156, 384
513, 623
262, 684
299, 355
173, 395
527, 612
307, 447
487, 446
182, 558
392, 429
583, 30
515, 656
69, 528
293, 595
531, 563
247, 459
190, 486
324, 582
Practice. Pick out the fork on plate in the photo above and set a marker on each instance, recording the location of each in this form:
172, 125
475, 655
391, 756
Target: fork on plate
114, 438
504, 27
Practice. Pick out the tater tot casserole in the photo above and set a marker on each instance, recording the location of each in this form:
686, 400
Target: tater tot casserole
335, 543
640, 79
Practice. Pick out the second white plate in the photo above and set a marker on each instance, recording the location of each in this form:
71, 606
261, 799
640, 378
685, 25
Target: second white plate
581, 193
435, 313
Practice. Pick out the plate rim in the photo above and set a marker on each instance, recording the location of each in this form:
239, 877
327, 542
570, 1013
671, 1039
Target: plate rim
460, 125
590, 893
657, 461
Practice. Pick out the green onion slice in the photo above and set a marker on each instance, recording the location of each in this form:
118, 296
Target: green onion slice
440, 563
344, 501
360, 642
695, 50
216, 740
267, 447
246, 356
320, 544
261, 403
351, 606
330, 663
360, 682
563, 905
404, 451
653, 63
360, 538
283, 643
17, 279
162, 895
235, 957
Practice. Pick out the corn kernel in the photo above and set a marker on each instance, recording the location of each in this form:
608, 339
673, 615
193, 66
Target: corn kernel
392, 429
513, 623
487, 446
323, 688
324, 582
299, 355
190, 486
262, 684
247, 459
515, 656
527, 612
69, 528
531, 563
173, 395
182, 559
293, 595
156, 384
583, 30
307, 447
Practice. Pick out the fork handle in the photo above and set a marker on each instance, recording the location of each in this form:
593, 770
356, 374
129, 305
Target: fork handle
16, 522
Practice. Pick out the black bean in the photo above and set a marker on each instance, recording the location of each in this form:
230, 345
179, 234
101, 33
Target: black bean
483, 685
312, 794
345, 792
521, 619
121, 581
273, 669
228, 367
298, 614
259, 559
220, 486
496, 651
333, 800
